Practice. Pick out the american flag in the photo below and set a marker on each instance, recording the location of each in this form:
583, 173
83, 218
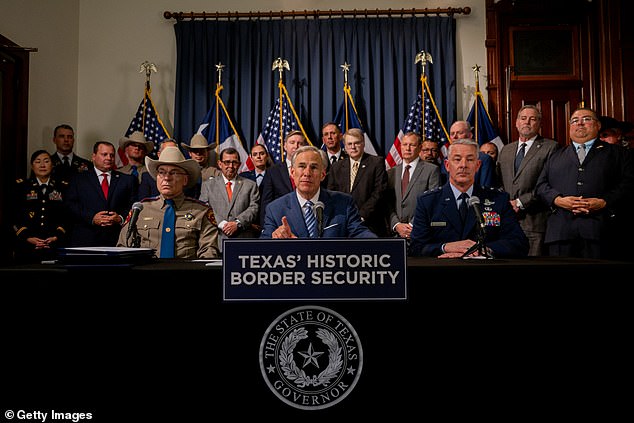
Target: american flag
270, 135
433, 128
147, 121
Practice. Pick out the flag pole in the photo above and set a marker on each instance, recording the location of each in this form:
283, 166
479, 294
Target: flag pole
476, 71
148, 68
346, 90
219, 68
423, 57
281, 64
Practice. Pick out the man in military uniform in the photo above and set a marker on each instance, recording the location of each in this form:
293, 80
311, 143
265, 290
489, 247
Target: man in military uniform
444, 227
65, 162
193, 234
39, 223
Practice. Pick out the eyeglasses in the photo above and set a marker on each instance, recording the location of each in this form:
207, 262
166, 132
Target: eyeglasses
171, 173
230, 163
429, 150
583, 120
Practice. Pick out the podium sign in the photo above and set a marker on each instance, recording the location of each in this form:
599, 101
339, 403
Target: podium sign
303, 269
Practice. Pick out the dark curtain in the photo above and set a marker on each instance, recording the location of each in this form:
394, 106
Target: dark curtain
383, 76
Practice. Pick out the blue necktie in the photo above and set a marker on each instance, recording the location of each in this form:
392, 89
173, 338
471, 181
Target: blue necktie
309, 217
167, 237
463, 206
135, 171
520, 156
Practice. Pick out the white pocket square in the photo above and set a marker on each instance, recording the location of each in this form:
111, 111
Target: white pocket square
331, 226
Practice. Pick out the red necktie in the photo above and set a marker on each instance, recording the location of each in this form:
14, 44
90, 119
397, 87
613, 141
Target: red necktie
104, 184
229, 191
405, 180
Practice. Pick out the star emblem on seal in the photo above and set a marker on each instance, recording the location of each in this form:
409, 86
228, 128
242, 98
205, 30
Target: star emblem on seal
311, 357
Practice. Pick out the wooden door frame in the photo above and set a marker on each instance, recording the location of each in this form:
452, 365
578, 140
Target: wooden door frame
601, 75
14, 106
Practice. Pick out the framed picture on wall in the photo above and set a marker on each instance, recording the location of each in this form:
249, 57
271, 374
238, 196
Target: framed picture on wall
544, 53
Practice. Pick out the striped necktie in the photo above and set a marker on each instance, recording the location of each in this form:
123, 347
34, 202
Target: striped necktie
520, 156
309, 217
353, 174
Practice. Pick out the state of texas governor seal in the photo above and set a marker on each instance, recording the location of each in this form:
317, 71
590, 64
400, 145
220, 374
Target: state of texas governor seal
311, 357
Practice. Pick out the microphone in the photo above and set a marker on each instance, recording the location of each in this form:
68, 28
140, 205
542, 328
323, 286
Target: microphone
474, 202
318, 208
136, 209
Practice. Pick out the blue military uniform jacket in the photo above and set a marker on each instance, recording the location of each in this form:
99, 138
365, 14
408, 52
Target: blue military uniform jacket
437, 221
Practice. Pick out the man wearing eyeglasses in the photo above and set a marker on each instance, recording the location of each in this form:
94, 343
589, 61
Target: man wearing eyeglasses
175, 225
586, 184
234, 198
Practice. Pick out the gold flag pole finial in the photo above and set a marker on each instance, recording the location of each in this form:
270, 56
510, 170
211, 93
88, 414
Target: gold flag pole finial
281, 64
476, 71
346, 69
148, 68
423, 58
219, 68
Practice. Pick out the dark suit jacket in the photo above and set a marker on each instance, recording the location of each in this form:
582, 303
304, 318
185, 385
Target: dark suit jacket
84, 199
368, 191
342, 156
341, 217
606, 173
523, 184
437, 221
276, 183
64, 173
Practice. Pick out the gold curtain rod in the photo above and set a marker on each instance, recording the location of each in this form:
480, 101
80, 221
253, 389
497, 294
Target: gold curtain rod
315, 13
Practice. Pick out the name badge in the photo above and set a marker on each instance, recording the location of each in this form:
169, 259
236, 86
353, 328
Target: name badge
438, 223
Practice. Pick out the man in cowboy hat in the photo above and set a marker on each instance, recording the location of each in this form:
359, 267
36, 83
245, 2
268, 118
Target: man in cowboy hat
135, 147
203, 152
173, 224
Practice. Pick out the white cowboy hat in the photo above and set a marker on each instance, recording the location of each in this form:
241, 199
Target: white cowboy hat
138, 138
173, 156
198, 141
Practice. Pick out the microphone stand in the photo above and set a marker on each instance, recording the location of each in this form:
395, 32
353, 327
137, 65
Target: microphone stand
479, 246
133, 238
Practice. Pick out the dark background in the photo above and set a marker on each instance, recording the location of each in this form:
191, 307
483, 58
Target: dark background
497, 340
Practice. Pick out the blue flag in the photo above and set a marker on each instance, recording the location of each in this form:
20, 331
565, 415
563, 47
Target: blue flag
225, 134
480, 121
147, 121
347, 118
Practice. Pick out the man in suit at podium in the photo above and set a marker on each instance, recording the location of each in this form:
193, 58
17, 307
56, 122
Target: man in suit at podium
444, 227
310, 211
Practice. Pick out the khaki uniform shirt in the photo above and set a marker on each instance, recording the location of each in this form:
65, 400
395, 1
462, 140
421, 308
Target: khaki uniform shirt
196, 230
